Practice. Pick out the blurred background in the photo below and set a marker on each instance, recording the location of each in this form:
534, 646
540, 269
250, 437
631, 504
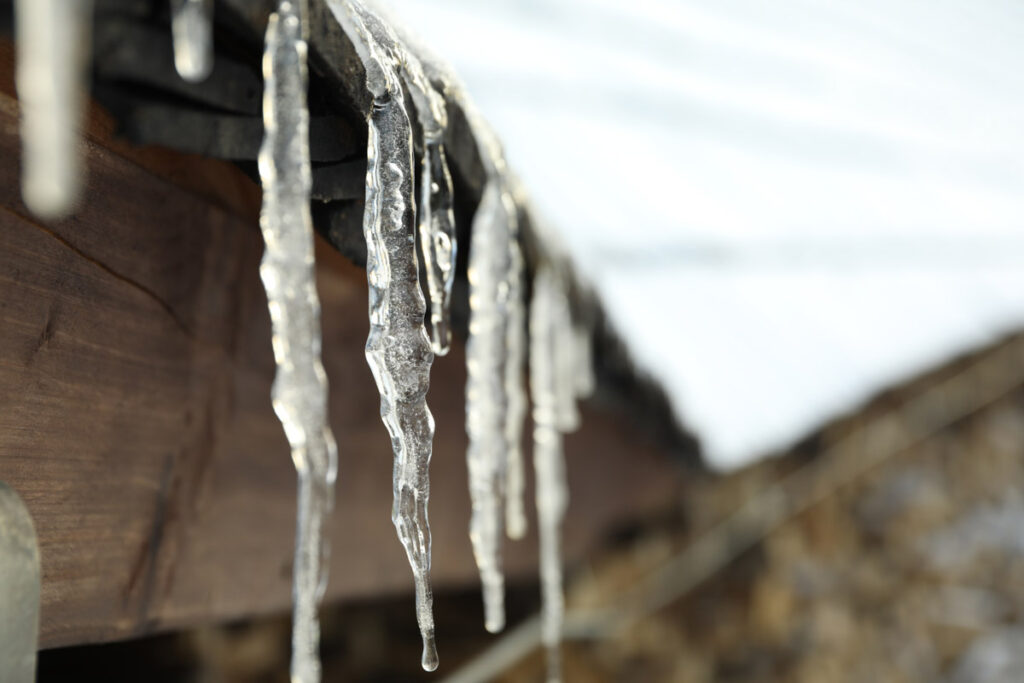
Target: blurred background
805, 219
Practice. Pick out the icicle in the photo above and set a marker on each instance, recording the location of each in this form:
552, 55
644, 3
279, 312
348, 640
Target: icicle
192, 29
53, 38
515, 344
566, 368
436, 219
546, 317
583, 358
495, 397
300, 387
486, 399
398, 349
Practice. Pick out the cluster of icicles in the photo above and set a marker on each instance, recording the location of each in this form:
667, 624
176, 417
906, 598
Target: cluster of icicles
52, 54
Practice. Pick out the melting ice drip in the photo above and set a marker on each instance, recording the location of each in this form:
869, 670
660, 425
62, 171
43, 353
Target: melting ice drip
53, 51
300, 386
549, 319
398, 349
192, 31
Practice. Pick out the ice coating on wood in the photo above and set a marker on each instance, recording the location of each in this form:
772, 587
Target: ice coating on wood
398, 349
53, 38
546, 320
192, 31
515, 360
287, 270
486, 398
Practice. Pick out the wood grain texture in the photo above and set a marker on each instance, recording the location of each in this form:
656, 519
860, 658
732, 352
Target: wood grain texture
135, 418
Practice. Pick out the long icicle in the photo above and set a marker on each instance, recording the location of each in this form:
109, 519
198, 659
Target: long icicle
287, 270
496, 400
53, 44
397, 349
495, 397
515, 344
486, 400
192, 31
548, 459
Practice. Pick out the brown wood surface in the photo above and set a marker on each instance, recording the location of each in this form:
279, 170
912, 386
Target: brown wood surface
135, 419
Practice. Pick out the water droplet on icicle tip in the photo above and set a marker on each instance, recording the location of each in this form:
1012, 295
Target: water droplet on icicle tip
429, 661
398, 349
300, 386
192, 33
53, 48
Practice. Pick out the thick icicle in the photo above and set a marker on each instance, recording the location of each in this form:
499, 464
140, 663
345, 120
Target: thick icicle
398, 349
300, 386
486, 400
192, 30
548, 460
515, 345
53, 44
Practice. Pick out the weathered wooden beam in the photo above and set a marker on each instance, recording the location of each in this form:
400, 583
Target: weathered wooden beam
135, 420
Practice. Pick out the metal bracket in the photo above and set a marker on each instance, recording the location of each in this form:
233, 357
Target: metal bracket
19, 590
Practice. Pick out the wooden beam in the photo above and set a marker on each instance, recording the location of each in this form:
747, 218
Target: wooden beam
135, 420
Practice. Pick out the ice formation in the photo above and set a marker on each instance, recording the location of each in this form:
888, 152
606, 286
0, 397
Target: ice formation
192, 31
300, 386
495, 396
486, 399
53, 46
436, 218
547, 320
398, 349
583, 357
515, 364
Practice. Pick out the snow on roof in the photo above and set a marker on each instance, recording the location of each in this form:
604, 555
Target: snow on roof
786, 207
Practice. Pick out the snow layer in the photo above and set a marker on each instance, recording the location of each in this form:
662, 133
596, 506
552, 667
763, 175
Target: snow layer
787, 207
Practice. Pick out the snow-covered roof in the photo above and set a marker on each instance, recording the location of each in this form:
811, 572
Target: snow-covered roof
786, 207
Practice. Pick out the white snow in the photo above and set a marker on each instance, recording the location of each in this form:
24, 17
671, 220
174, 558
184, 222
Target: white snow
787, 207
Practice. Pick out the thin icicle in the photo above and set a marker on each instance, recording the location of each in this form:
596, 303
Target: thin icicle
486, 400
566, 368
192, 30
495, 396
437, 219
53, 44
583, 357
515, 345
437, 241
548, 460
300, 386
398, 349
